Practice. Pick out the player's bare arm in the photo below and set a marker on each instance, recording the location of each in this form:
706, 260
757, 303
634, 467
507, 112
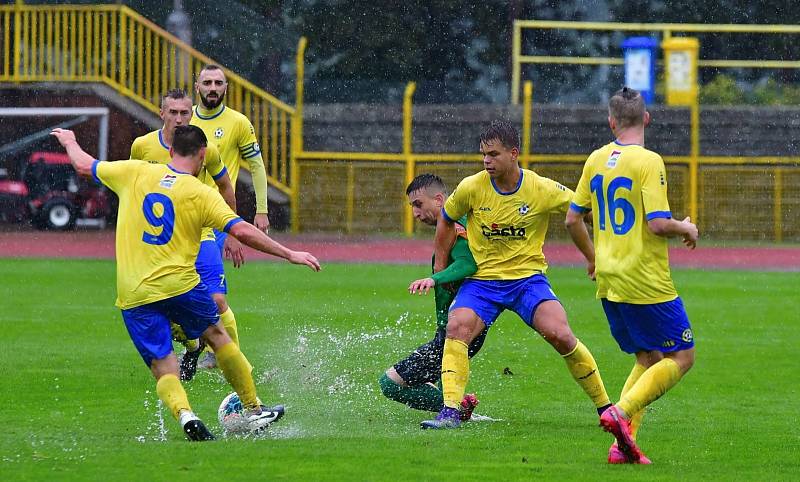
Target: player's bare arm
256, 239
443, 242
668, 227
81, 161
576, 227
233, 247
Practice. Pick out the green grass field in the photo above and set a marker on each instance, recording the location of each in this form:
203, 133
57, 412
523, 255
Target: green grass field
78, 403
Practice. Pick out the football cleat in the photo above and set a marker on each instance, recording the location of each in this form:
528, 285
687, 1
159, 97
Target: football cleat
615, 456
468, 404
613, 422
209, 362
189, 362
194, 428
259, 419
448, 418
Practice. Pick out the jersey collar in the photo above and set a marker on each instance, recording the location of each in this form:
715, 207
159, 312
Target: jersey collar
161, 140
623, 145
208, 114
175, 170
519, 183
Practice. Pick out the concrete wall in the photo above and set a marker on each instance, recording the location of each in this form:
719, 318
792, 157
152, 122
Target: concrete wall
740, 131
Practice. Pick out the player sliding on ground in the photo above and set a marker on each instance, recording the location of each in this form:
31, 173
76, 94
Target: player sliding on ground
162, 209
508, 210
412, 381
625, 187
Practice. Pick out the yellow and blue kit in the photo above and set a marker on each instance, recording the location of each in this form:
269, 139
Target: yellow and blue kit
161, 214
625, 186
234, 136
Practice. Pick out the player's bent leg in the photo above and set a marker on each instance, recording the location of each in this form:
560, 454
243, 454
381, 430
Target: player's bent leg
172, 394
656, 381
550, 320
420, 397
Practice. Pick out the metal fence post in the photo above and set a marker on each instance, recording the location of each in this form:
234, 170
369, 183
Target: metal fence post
527, 106
408, 114
297, 136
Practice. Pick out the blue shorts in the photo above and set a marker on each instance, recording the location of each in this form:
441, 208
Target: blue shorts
209, 264
148, 325
488, 298
660, 327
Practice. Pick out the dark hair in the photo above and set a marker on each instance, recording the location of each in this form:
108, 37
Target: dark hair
501, 131
188, 140
425, 181
626, 106
211, 67
174, 94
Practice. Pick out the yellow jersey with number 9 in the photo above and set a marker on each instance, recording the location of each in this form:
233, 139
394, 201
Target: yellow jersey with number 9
506, 230
625, 185
161, 214
152, 148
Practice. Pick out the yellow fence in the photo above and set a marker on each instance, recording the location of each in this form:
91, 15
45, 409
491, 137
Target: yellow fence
114, 45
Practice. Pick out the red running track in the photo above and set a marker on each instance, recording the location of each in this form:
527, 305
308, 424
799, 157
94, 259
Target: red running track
100, 245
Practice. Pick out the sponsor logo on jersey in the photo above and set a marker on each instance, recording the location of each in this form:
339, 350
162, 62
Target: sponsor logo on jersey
219, 133
168, 180
509, 232
484, 208
613, 158
523, 210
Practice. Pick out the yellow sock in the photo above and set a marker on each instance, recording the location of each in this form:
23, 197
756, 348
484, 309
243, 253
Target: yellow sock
455, 371
171, 392
229, 322
653, 383
636, 418
584, 370
236, 369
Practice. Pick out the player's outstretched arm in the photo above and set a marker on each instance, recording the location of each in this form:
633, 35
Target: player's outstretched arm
81, 161
443, 242
668, 227
576, 227
256, 239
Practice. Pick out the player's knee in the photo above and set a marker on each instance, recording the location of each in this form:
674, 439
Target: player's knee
684, 359
221, 301
462, 328
388, 387
216, 336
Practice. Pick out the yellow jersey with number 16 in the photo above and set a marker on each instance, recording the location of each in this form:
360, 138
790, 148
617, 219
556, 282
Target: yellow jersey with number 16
161, 214
625, 186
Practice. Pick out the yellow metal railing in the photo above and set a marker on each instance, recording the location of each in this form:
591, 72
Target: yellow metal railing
115, 45
665, 29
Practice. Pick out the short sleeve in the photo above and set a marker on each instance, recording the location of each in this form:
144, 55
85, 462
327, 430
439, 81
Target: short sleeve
556, 197
458, 203
654, 189
136, 149
218, 214
582, 199
213, 162
115, 174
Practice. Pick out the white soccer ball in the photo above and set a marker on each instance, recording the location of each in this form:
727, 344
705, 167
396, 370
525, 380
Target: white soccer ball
231, 414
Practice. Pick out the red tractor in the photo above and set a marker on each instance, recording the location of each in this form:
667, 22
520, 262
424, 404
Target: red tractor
50, 194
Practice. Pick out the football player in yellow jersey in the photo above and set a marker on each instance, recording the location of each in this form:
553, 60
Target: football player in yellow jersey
162, 209
508, 210
176, 110
234, 136
624, 186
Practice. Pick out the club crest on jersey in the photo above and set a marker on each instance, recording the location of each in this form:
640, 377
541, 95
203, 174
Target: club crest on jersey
687, 335
168, 180
523, 210
218, 133
613, 158
508, 232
